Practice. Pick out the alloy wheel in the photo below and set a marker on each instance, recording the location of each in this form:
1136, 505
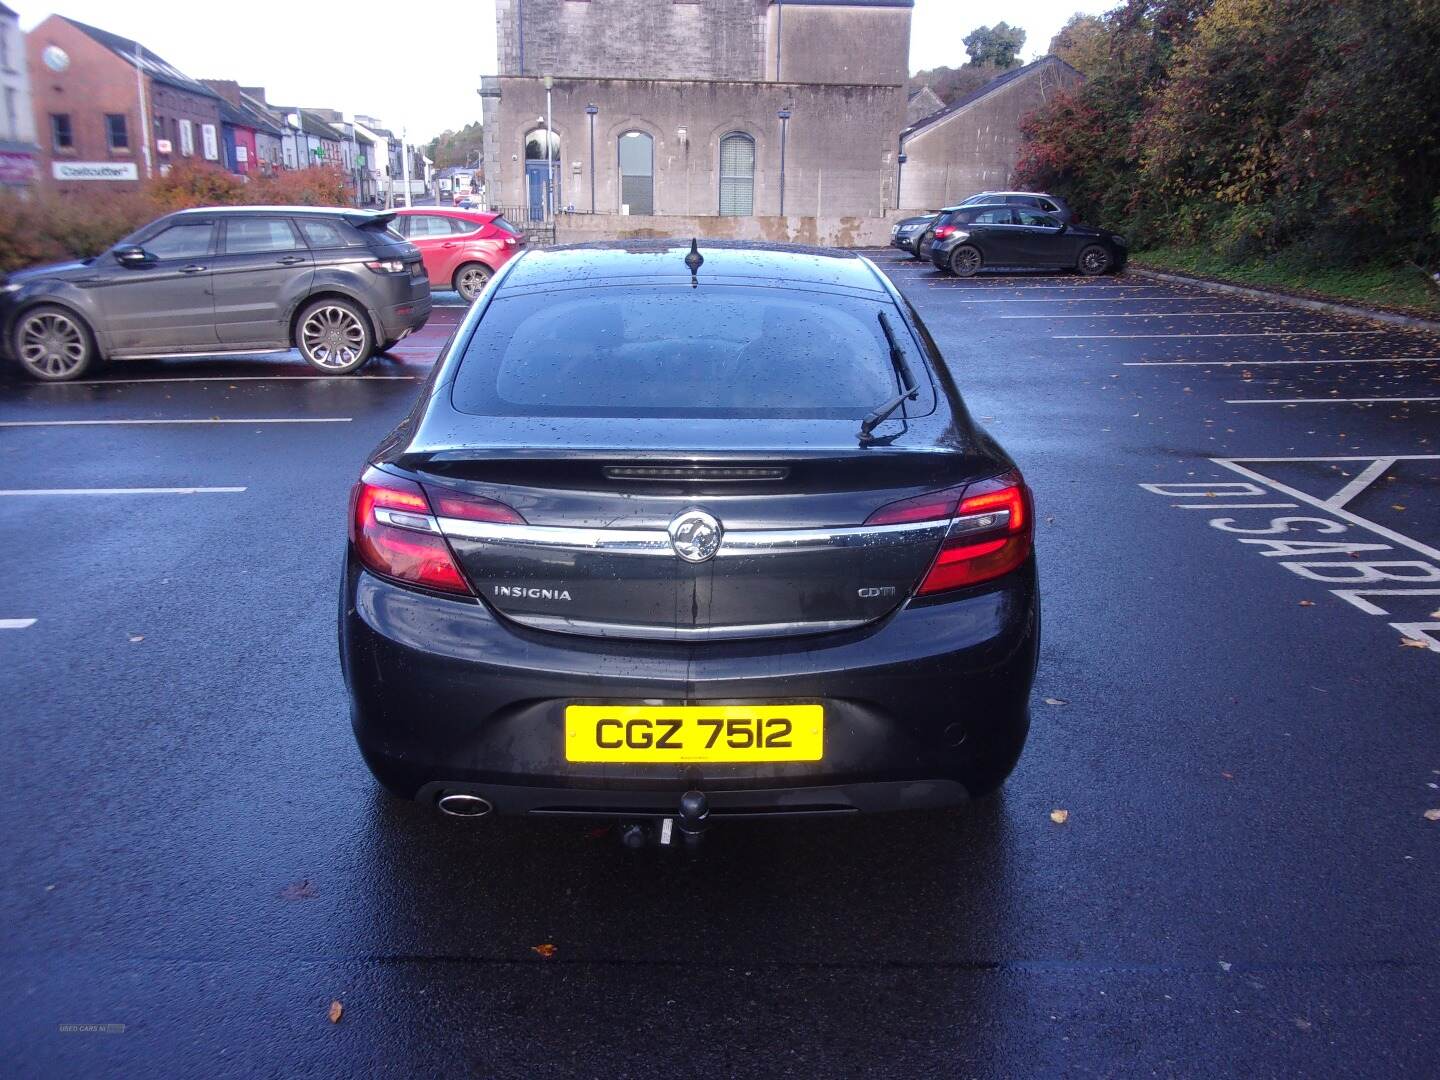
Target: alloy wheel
471, 282
1094, 261
52, 345
333, 337
965, 261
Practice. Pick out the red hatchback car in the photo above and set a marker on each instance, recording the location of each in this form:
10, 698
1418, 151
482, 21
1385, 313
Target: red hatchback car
461, 248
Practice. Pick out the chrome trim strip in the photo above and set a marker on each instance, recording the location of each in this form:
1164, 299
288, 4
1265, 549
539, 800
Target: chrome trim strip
561, 624
657, 541
562, 538
785, 541
191, 355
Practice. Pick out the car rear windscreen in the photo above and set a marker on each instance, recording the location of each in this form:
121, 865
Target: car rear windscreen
658, 350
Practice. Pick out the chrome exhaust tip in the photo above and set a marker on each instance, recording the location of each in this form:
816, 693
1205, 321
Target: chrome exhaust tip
466, 806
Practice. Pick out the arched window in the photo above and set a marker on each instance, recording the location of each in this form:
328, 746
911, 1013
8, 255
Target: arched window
637, 172
542, 176
737, 175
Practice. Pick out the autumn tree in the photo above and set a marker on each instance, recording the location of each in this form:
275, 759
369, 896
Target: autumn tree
1081, 43
999, 45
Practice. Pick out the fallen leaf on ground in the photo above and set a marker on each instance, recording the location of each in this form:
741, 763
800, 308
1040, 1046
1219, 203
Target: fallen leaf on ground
1432, 815
1412, 643
336, 1011
1302, 1024
1307, 603
1224, 965
1056, 701
1396, 506
299, 890
1434, 615
547, 950
1059, 817
134, 638
1228, 776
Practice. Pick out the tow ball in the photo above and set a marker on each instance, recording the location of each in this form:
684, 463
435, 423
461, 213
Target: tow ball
687, 826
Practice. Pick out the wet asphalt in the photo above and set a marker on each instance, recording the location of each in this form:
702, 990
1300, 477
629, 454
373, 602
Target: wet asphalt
196, 863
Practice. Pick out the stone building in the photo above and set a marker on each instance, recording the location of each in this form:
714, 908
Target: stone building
697, 107
921, 103
972, 144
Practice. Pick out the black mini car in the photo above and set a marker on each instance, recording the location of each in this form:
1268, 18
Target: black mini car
690, 537
972, 238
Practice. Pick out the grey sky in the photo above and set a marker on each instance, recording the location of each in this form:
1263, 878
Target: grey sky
418, 65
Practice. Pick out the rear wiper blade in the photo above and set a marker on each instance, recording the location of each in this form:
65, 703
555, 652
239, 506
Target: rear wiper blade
911, 387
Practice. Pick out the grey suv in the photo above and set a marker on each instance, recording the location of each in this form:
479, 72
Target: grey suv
337, 284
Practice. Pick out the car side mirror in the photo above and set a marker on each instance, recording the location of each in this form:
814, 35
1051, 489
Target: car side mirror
1063, 228
133, 255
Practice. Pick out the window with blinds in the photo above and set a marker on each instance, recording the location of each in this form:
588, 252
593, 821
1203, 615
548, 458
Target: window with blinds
737, 175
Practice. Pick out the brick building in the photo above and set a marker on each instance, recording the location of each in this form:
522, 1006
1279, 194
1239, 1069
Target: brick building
110, 112
728, 107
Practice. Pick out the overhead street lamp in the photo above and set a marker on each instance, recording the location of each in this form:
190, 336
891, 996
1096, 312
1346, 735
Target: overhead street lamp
549, 82
784, 115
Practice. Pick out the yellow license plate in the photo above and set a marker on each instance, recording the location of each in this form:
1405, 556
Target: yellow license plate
661, 734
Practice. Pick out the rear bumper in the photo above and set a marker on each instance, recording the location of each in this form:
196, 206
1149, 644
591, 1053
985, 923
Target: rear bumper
924, 708
405, 311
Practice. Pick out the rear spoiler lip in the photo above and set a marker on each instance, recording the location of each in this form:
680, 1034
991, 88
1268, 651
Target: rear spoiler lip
361, 218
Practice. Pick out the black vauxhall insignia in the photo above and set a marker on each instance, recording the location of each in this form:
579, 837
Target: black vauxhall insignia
676, 534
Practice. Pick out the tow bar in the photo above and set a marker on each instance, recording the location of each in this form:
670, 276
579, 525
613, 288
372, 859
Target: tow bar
689, 822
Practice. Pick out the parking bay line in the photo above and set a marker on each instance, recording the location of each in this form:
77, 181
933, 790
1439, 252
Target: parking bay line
212, 420
1147, 315
1257, 333
1324, 401
238, 378
16, 624
15, 492
1252, 363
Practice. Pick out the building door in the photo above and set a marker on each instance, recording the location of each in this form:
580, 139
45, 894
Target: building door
637, 172
542, 174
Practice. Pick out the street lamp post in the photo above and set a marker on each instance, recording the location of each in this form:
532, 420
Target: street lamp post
784, 115
549, 153
590, 111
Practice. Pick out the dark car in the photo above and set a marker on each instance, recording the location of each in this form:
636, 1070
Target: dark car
940, 227
907, 232
337, 284
1053, 205
662, 544
979, 236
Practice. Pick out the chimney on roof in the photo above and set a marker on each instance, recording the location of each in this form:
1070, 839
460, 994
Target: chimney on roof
228, 89
256, 92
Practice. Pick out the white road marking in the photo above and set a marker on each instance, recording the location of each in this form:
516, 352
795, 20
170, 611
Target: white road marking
1147, 315
1321, 401
1095, 300
1251, 363
1257, 333
115, 423
235, 378
123, 491
1390, 534
1234, 506
1354, 596
1366, 477
16, 624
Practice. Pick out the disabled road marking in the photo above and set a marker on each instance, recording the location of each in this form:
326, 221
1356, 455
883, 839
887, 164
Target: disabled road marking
1336, 560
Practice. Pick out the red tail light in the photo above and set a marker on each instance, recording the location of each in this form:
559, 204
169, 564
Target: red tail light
395, 531
942, 231
932, 506
990, 536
